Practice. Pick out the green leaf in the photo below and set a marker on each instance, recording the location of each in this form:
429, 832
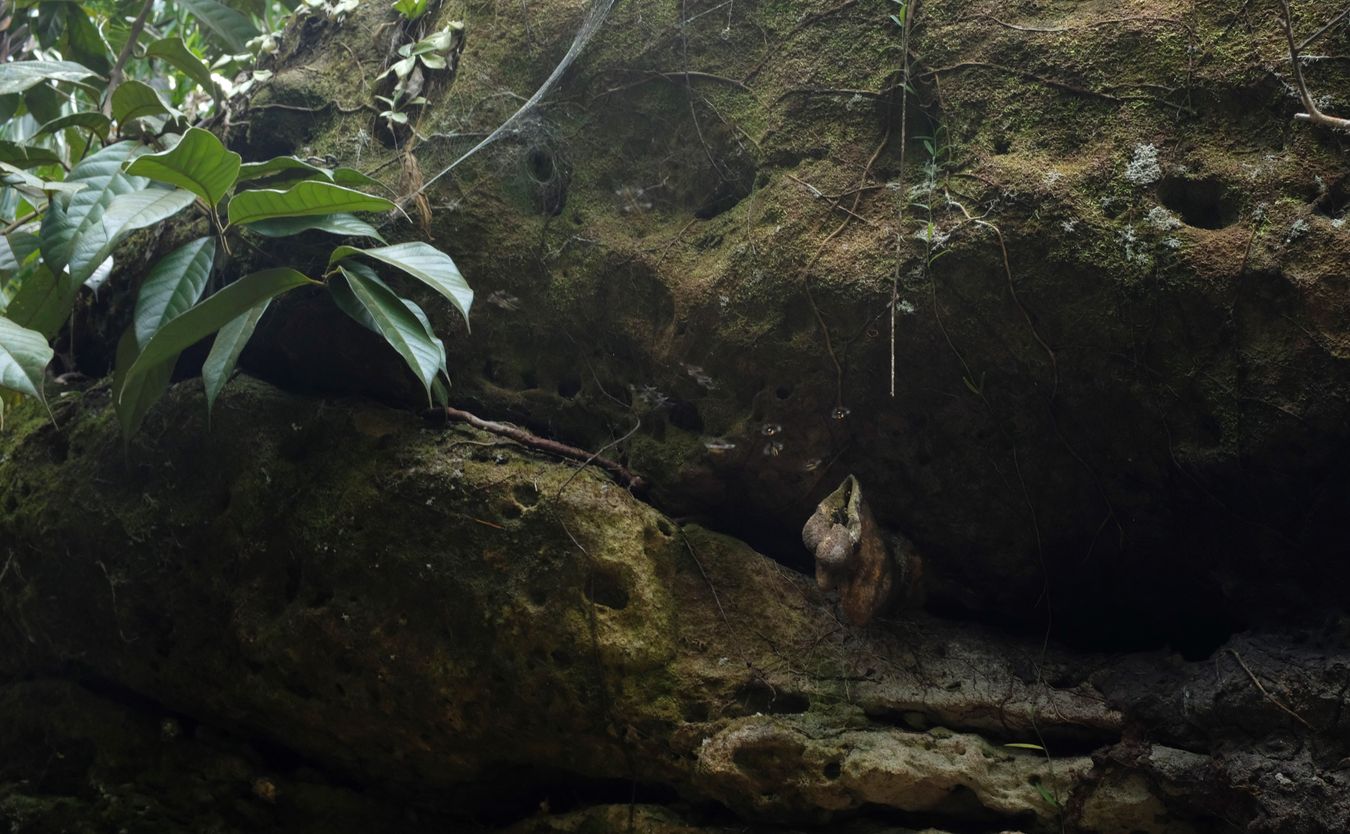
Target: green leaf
27, 156
279, 165
34, 188
124, 214
211, 315
68, 219
17, 76
132, 402
87, 120
85, 42
172, 287
391, 319
135, 100
337, 224
228, 26
411, 9
199, 162
43, 300
303, 199
24, 355
352, 178
225, 352
15, 249
1046, 795
44, 103
422, 261
176, 53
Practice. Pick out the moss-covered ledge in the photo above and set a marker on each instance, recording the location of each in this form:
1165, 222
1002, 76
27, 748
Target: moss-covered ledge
431, 612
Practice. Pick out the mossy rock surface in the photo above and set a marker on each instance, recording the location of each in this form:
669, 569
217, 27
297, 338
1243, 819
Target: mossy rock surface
1142, 407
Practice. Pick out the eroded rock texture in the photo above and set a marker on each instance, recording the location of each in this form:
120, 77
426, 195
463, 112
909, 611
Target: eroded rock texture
1118, 437
1142, 405
225, 632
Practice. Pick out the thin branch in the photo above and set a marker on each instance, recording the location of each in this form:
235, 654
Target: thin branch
115, 75
911, 9
1261, 688
620, 473
1311, 39
1313, 115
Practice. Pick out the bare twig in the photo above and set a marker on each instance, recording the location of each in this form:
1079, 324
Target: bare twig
1261, 688
616, 470
1313, 115
1311, 39
910, 10
690, 547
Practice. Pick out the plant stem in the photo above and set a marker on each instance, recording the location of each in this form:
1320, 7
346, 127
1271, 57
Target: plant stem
115, 75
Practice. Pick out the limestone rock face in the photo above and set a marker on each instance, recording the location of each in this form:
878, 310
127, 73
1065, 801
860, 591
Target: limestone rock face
1129, 377
322, 604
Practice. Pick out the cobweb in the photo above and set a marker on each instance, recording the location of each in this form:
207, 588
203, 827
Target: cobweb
594, 19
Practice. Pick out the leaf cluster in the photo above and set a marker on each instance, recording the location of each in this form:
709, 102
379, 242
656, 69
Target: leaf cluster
119, 157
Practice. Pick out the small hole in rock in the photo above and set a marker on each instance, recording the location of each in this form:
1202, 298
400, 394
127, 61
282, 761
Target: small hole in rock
832, 770
1202, 203
569, 388
542, 168
525, 494
782, 392
607, 589
684, 415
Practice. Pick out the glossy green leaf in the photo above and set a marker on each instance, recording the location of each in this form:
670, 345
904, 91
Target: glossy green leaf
135, 100
133, 402
211, 315
15, 249
199, 162
279, 165
440, 390
17, 76
336, 224
27, 156
303, 199
225, 351
85, 43
43, 300
392, 320
352, 177
422, 261
172, 287
34, 188
24, 355
68, 218
227, 25
85, 120
176, 53
124, 214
